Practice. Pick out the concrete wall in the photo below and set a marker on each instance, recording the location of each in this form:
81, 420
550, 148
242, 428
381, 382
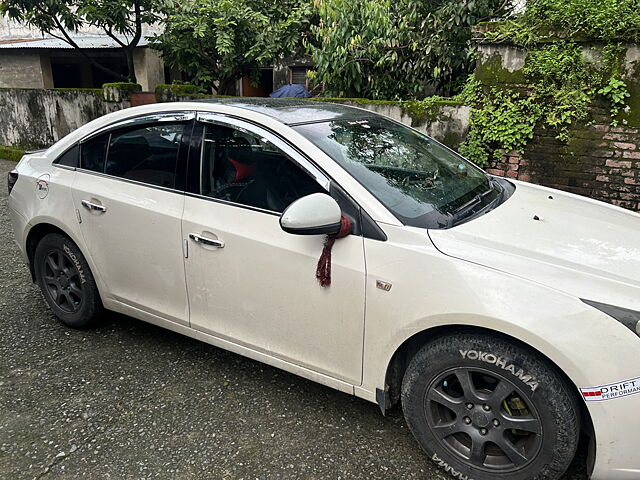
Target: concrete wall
25, 70
149, 68
33, 118
447, 123
37, 118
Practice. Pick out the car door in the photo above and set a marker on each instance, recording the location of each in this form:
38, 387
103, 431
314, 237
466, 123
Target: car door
248, 281
129, 194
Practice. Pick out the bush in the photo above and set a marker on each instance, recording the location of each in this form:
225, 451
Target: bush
11, 153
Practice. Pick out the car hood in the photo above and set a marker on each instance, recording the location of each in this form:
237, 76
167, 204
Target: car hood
573, 244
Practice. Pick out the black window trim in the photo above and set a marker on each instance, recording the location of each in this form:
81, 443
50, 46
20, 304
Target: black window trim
300, 159
371, 230
181, 160
139, 120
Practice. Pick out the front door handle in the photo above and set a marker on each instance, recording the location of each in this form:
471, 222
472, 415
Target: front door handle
206, 241
93, 206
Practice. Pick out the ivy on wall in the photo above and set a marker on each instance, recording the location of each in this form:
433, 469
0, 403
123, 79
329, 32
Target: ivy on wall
560, 79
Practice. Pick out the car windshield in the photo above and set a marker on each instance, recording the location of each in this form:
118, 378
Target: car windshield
421, 182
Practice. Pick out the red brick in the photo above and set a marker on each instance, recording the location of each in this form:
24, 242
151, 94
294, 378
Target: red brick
512, 174
630, 181
625, 130
602, 153
495, 171
514, 159
618, 163
619, 136
524, 178
631, 154
624, 204
624, 146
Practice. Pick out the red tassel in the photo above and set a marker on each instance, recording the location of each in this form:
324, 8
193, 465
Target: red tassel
323, 272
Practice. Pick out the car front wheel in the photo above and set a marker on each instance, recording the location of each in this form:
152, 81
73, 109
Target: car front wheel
66, 281
483, 407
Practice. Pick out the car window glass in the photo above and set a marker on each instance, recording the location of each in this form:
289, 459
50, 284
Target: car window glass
148, 154
242, 167
93, 153
70, 157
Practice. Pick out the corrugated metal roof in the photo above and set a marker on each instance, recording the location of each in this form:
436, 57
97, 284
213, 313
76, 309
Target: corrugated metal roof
83, 41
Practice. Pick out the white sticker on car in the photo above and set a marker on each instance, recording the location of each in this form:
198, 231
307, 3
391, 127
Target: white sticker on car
611, 391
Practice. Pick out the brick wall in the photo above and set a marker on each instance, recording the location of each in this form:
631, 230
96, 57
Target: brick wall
599, 161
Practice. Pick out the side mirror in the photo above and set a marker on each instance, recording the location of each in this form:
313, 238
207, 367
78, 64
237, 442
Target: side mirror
315, 214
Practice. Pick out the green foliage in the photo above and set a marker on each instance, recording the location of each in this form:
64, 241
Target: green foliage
224, 40
500, 119
385, 49
176, 89
11, 153
564, 79
544, 20
616, 92
121, 20
125, 87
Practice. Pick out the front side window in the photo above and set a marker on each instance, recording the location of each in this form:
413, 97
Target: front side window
242, 167
146, 154
421, 182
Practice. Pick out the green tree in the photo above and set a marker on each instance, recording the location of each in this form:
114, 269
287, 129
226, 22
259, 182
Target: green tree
392, 49
122, 20
219, 41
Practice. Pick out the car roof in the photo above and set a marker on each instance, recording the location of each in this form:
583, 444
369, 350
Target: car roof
292, 111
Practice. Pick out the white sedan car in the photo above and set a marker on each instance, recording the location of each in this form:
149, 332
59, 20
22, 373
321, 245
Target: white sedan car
349, 249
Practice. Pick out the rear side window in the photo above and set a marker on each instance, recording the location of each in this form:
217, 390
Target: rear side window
146, 154
70, 157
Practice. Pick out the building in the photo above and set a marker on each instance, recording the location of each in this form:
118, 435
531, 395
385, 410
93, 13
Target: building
29, 60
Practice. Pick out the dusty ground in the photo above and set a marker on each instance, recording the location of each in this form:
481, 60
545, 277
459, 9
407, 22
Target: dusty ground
130, 400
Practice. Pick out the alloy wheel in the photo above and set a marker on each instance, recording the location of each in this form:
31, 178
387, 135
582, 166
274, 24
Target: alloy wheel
484, 419
62, 281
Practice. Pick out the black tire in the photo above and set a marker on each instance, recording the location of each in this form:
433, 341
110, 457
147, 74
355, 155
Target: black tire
462, 396
66, 281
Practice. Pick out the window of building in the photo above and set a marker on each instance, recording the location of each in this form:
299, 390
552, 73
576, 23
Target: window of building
299, 75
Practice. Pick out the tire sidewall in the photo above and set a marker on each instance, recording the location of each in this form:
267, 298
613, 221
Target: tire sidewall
543, 387
91, 302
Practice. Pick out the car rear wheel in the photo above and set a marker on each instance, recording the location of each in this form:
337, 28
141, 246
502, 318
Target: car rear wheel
483, 408
66, 281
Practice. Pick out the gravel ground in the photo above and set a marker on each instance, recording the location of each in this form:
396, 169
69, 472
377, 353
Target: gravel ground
131, 400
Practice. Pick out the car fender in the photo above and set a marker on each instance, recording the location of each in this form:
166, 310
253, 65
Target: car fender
432, 290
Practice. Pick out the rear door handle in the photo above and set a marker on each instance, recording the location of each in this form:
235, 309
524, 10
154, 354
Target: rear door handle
206, 241
93, 206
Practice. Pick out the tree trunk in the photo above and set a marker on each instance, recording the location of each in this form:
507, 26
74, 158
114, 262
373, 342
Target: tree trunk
226, 86
131, 67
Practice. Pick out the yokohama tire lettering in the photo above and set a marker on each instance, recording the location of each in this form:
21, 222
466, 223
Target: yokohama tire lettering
75, 261
449, 469
503, 363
